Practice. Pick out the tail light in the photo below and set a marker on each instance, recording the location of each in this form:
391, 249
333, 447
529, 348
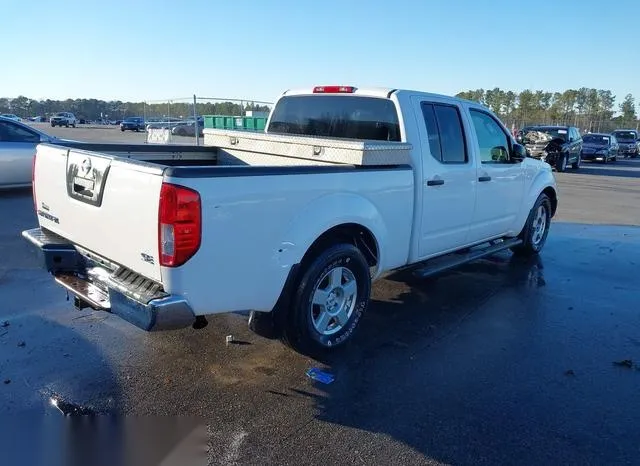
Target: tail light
33, 183
179, 224
334, 90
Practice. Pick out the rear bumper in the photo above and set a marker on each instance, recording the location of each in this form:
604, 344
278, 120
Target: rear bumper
101, 286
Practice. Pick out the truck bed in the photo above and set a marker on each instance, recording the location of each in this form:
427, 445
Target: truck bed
168, 154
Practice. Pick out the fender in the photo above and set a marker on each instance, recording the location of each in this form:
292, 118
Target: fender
542, 179
324, 213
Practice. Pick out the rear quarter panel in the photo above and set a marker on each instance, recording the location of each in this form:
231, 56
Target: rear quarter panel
256, 227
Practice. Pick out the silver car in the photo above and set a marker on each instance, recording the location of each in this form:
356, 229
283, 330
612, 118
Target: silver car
18, 143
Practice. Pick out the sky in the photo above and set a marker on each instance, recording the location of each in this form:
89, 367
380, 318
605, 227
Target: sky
256, 49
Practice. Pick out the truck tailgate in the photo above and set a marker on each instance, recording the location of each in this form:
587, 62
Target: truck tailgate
106, 205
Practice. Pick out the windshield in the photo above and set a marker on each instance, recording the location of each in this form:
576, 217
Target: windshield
336, 116
543, 134
132, 119
595, 139
624, 135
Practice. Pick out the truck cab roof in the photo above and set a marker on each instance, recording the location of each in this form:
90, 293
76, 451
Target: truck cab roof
381, 92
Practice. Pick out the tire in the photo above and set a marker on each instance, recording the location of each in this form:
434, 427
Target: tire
614, 158
311, 328
53, 125
561, 165
605, 159
122, 129
576, 165
534, 234
73, 126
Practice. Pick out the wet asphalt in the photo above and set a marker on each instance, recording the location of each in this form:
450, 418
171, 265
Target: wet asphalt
502, 361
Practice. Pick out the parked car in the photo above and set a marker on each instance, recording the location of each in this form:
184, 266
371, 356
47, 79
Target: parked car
352, 183
132, 124
559, 146
18, 143
188, 128
11, 116
599, 146
63, 119
629, 141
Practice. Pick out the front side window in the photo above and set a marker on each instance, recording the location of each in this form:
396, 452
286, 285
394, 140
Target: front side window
492, 141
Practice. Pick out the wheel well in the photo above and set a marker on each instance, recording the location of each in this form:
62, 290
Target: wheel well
553, 197
351, 233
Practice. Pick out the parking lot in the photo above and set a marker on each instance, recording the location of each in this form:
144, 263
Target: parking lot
502, 361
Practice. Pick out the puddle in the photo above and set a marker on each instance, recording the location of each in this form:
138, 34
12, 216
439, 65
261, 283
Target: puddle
70, 409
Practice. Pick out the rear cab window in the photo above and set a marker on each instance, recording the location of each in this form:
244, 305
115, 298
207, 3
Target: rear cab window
447, 141
336, 116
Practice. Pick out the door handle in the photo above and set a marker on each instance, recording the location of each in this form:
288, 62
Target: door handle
435, 182
484, 178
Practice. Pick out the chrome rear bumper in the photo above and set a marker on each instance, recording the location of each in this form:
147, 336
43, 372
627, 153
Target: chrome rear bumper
95, 282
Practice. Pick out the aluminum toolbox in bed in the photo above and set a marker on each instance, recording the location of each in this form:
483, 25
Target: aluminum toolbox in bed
258, 148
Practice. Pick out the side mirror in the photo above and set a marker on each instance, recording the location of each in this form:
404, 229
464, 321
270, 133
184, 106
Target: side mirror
519, 138
518, 153
571, 139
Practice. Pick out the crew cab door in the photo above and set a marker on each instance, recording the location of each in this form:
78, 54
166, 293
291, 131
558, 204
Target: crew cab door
575, 144
500, 180
448, 175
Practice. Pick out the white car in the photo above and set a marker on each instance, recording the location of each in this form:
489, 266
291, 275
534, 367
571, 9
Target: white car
294, 224
63, 119
11, 116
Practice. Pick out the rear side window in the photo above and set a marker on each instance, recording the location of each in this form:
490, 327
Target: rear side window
348, 117
446, 136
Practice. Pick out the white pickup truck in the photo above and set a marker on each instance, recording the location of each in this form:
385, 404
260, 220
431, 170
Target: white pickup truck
292, 224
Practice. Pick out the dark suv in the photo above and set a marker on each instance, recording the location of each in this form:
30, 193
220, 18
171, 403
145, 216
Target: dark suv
628, 140
132, 124
559, 146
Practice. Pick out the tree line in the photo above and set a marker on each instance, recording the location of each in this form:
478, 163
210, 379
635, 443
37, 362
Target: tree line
94, 109
588, 109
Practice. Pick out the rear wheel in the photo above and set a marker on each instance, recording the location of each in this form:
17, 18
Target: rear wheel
329, 300
534, 234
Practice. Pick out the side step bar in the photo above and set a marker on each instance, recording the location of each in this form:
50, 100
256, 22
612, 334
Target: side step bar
450, 261
96, 297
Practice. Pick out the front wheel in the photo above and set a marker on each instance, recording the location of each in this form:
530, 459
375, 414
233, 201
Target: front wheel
561, 164
576, 164
535, 231
329, 301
